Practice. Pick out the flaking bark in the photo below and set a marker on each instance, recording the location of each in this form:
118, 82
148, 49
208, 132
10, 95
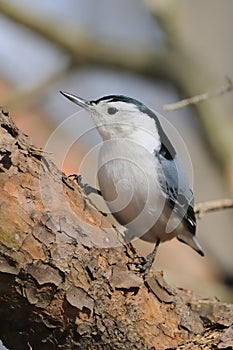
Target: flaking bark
60, 284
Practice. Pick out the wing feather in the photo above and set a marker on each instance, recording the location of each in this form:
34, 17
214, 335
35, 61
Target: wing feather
174, 182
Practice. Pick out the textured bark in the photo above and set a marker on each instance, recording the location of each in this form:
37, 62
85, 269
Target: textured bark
60, 284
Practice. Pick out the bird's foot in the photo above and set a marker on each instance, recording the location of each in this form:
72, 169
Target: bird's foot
145, 264
87, 189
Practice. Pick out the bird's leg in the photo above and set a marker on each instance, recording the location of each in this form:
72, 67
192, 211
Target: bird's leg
87, 189
150, 259
145, 266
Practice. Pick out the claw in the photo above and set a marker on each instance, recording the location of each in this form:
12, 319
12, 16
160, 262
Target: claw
145, 266
87, 189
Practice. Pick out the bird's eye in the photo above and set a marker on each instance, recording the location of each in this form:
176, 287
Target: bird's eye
112, 110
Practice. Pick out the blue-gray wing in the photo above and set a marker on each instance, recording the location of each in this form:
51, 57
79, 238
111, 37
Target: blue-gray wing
175, 184
173, 178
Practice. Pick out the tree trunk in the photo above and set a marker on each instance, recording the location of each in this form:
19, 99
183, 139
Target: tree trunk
65, 281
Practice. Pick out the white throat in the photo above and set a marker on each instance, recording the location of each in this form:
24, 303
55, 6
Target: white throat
140, 129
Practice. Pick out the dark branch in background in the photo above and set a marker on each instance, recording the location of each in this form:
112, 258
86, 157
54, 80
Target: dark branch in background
210, 206
82, 49
173, 64
200, 98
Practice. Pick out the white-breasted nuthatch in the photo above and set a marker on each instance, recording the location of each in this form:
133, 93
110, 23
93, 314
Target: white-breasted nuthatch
140, 175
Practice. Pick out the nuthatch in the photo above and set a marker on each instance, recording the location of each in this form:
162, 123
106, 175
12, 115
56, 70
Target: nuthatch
140, 175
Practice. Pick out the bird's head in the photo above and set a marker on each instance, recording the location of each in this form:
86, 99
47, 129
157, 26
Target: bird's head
117, 115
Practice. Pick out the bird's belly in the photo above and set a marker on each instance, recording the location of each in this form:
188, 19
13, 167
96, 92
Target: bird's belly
131, 190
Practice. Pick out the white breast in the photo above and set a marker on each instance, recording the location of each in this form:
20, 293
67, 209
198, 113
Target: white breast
129, 184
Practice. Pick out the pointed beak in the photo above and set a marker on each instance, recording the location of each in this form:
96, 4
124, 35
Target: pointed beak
192, 242
198, 248
78, 100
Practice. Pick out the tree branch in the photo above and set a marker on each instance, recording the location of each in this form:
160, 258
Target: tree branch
210, 206
227, 87
67, 279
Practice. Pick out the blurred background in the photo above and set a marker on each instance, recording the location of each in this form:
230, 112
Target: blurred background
156, 51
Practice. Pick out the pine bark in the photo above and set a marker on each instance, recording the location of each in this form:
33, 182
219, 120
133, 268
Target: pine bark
65, 277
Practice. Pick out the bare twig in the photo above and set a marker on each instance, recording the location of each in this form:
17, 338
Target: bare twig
220, 204
227, 87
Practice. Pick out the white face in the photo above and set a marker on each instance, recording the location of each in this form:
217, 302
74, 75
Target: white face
121, 117
118, 119
116, 111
